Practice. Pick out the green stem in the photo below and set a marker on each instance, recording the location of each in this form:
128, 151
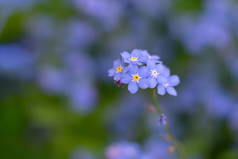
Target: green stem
177, 145
156, 102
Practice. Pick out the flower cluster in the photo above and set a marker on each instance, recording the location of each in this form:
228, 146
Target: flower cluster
142, 70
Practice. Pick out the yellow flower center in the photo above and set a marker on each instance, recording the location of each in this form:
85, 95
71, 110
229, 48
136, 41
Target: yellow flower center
119, 69
136, 78
133, 58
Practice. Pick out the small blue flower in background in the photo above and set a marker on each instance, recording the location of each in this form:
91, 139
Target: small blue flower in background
125, 115
51, 79
74, 83
106, 12
154, 149
123, 150
142, 70
16, 61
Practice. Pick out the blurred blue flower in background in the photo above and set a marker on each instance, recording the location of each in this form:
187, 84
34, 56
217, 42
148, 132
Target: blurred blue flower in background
16, 61
83, 96
155, 148
51, 79
131, 150
210, 29
124, 116
153, 8
74, 80
105, 12
123, 150
79, 35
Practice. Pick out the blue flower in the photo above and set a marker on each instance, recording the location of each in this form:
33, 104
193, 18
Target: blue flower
155, 73
147, 58
124, 150
135, 78
134, 58
166, 84
117, 70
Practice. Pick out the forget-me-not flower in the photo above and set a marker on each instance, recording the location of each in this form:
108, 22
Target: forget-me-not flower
117, 70
147, 58
134, 58
156, 72
167, 85
135, 78
142, 70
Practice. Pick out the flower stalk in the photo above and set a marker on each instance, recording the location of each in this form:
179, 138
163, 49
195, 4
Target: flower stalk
176, 143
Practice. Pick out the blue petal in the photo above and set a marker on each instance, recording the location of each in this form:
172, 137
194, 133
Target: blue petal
166, 72
144, 71
133, 87
133, 68
117, 63
145, 53
125, 78
153, 82
161, 90
125, 56
151, 64
145, 56
136, 53
143, 83
160, 68
171, 91
117, 77
155, 57
174, 80
111, 72
162, 79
